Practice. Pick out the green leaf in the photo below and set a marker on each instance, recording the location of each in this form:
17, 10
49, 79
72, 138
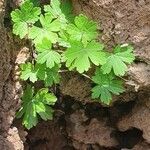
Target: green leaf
47, 55
35, 2
45, 97
45, 112
49, 23
23, 17
50, 57
49, 76
83, 30
28, 94
79, 57
55, 11
123, 54
52, 76
106, 84
49, 30
64, 39
20, 29
32, 106
45, 45
40, 72
67, 10
28, 72
30, 117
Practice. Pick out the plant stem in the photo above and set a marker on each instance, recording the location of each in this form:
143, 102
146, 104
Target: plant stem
88, 77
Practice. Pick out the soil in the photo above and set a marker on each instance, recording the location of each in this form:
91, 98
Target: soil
80, 123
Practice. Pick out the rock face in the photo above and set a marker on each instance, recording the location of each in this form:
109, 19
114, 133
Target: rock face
84, 125
141, 146
92, 132
9, 87
76, 86
138, 118
8, 96
50, 138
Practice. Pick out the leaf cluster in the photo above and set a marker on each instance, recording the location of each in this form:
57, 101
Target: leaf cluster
35, 105
62, 39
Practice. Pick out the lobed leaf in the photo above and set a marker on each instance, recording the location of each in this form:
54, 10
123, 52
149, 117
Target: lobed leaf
23, 17
40, 72
80, 57
123, 55
40, 104
48, 30
83, 29
106, 85
28, 72
54, 9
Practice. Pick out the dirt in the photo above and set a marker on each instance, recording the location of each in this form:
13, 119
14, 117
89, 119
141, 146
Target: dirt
79, 122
